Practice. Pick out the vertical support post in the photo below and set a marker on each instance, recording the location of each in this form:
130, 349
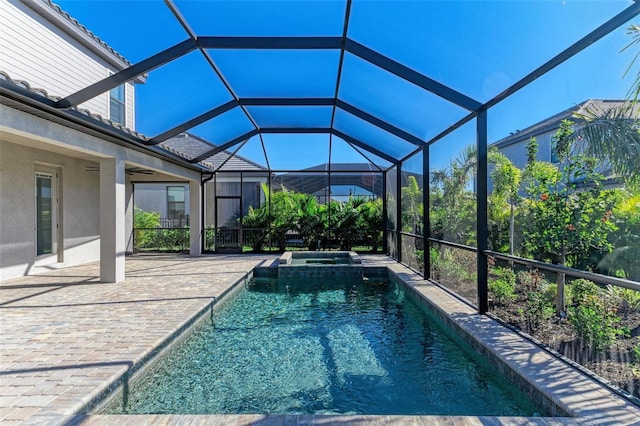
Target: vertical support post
482, 230
328, 200
203, 206
129, 215
268, 200
399, 210
195, 217
240, 233
426, 229
385, 218
112, 220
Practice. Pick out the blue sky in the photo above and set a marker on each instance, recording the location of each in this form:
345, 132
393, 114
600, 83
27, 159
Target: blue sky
476, 47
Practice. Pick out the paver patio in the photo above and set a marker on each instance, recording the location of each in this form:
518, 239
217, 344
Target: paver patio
66, 338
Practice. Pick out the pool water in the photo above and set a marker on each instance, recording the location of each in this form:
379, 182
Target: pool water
321, 348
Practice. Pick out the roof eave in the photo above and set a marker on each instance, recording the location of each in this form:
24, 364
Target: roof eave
23, 99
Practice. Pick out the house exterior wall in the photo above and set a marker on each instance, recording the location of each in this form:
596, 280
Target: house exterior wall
78, 193
517, 152
152, 197
40, 53
27, 142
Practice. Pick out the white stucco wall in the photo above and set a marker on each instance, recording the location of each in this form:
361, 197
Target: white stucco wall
79, 200
27, 141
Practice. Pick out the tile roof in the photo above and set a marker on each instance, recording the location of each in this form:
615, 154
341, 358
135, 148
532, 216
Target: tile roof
186, 146
552, 123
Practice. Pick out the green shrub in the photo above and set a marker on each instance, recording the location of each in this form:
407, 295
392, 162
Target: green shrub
538, 310
532, 281
454, 265
635, 358
171, 239
596, 322
538, 302
551, 290
502, 285
628, 300
582, 289
144, 224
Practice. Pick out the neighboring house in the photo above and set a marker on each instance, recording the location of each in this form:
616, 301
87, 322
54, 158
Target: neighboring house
66, 173
347, 179
171, 199
514, 146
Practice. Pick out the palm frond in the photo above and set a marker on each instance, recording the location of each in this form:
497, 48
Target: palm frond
634, 32
613, 136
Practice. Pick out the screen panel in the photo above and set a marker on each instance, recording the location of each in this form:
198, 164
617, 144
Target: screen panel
279, 73
247, 18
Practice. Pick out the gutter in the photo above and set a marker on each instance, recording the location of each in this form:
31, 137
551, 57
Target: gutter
22, 99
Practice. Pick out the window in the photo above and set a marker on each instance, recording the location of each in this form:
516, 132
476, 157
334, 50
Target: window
46, 221
175, 202
554, 151
117, 105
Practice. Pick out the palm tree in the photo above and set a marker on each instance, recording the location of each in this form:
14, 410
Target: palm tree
613, 135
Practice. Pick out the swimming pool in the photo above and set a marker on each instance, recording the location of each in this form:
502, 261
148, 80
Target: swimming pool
321, 347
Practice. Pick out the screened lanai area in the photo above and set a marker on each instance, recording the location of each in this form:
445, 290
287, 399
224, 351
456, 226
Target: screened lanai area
428, 131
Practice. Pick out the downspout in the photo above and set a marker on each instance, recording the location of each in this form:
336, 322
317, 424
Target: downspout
203, 232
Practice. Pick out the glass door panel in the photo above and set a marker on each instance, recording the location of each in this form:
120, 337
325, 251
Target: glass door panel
44, 214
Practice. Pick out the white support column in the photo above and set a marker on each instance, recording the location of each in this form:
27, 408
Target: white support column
195, 218
112, 220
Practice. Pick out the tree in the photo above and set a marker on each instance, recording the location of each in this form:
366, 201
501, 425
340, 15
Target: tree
311, 219
613, 135
453, 205
412, 207
623, 260
506, 180
563, 223
371, 215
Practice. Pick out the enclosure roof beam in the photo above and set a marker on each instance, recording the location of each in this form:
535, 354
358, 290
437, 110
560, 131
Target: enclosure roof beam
412, 76
364, 146
298, 43
287, 101
193, 122
207, 57
339, 104
380, 123
614, 23
225, 146
301, 130
127, 74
